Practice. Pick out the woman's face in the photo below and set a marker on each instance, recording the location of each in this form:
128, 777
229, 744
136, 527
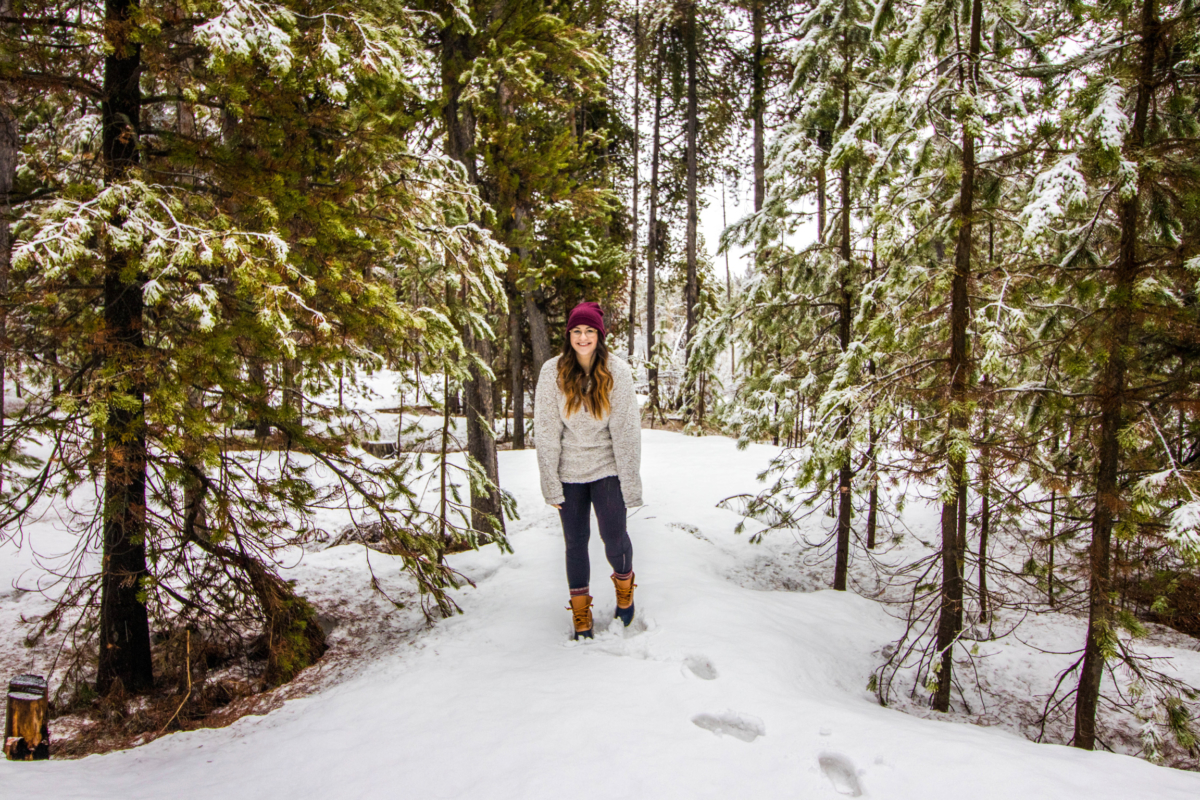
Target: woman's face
584, 339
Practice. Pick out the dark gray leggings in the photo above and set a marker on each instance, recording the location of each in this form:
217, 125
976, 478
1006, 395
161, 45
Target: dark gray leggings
605, 496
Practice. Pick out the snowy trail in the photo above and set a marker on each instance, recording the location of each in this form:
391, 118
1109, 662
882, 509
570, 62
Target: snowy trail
717, 690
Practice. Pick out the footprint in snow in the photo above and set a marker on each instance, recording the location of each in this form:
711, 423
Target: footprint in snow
617, 639
692, 529
701, 667
841, 773
640, 624
740, 726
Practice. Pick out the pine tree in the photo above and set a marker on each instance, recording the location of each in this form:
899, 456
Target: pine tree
1106, 212
255, 204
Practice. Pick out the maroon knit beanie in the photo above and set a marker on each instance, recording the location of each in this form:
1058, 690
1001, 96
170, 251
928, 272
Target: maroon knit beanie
589, 314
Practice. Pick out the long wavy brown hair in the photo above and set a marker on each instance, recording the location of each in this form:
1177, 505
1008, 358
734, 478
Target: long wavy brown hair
582, 390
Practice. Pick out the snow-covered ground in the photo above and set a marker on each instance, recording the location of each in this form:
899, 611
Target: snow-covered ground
722, 688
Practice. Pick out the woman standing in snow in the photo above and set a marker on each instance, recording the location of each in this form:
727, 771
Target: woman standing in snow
589, 448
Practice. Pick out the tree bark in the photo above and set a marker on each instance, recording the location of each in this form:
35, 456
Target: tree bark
9, 144
652, 243
845, 471
954, 511
27, 719
825, 143
985, 517
758, 105
124, 624
258, 380
637, 129
845, 310
539, 331
728, 291
691, 292
1050, 547
516, 373
873, 500
1110, 393
486, 512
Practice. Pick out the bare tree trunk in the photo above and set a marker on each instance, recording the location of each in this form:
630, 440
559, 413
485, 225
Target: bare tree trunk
954, 511
258, 379
985, 468
845, 471
1050, 565
1111, 395
985, 515
873, 432
539, 331
195, 506
845, 310
486, 512
652, 243
728, 292
124, 624
873, 500
691, 292
637, 128
479, 411
757, 112
532, 301
824, 142
516, 374
758, 105
9, 141
293, 400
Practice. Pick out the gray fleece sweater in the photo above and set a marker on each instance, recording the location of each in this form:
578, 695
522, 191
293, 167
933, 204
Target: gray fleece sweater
582, 449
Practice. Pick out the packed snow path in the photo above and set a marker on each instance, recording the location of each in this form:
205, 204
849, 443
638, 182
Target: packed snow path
717, 690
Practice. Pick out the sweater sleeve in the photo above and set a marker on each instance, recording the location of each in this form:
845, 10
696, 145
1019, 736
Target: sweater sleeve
625, 427
547, 431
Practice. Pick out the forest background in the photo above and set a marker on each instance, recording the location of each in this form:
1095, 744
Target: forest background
970, 259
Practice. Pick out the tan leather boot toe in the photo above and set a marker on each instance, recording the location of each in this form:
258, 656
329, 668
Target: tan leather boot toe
581, 615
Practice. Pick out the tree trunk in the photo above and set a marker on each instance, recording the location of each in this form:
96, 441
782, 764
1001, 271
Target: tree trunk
258, 379
691, 292
873, 500
486, 515
9, 142
479, 411
124, 625
539, 331
458, 116
845, 310
758, 105
637, 128
985, 518
954, 511
652, 243
1111, 396
757, 110
516, 374
825, 143
873, 432
728, 292
845, 472
1050, 564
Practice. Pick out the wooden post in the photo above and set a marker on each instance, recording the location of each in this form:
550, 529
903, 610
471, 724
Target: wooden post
27, 721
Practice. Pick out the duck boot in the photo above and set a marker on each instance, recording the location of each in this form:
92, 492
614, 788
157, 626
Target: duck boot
624, 588
581, 615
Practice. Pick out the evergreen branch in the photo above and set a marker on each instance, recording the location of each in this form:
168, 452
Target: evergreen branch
45, 80
54, 22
